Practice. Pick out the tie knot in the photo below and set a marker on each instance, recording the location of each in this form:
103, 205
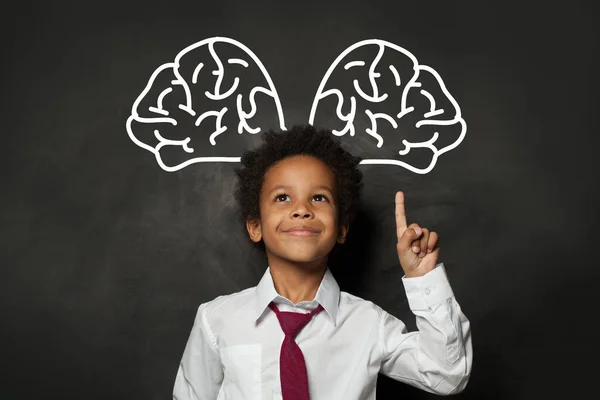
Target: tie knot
291, 322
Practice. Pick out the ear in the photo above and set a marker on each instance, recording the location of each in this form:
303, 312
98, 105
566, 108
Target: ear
254, 229
343, 233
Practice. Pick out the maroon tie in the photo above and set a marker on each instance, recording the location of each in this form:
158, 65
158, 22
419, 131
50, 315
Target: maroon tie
292, 369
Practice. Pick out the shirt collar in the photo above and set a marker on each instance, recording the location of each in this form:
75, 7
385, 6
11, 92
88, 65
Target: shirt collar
328, 294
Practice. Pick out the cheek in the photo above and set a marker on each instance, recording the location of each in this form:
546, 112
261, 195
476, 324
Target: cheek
271, 221
330, 218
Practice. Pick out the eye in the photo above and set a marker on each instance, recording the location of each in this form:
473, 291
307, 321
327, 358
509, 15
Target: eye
320, 197
282, 197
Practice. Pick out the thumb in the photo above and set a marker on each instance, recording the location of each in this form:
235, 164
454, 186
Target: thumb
410, 234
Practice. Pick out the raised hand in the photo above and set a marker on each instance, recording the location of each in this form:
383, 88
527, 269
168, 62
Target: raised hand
418, 248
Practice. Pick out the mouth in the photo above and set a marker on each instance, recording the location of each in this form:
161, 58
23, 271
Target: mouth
302, 231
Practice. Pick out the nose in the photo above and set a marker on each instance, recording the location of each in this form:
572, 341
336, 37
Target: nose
301, 211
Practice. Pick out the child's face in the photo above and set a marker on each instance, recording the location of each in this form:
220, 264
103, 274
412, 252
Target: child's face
298, 212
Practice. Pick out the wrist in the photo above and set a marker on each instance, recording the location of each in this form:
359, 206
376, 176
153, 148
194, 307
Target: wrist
418, 272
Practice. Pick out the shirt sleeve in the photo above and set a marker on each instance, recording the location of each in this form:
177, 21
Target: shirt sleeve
200, 372
437, 358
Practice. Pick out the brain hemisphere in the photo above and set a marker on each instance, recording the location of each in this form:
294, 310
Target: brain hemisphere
383, 97
213, 89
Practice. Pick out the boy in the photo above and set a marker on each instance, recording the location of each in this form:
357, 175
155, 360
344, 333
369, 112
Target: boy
296, 335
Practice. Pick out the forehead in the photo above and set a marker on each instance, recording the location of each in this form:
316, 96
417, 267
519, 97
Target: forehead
300, 169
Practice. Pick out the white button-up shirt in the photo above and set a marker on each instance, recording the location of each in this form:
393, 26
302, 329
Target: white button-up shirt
233, 350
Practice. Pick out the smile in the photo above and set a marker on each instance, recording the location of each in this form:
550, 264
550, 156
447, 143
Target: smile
302, 232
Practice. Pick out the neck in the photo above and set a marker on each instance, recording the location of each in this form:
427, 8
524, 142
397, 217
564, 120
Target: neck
297, 282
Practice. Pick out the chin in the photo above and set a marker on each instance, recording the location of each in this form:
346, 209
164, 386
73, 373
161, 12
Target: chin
300, 250
301, 255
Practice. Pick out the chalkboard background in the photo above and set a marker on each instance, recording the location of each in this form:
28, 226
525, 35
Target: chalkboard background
105, 257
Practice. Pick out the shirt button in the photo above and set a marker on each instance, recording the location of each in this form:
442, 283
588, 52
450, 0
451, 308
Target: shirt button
427, 291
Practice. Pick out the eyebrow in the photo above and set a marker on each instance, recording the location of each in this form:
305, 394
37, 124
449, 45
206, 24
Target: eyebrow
325, 187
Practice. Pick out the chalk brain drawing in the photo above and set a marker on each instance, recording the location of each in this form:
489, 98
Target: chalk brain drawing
378, 93
407, 80
193, 90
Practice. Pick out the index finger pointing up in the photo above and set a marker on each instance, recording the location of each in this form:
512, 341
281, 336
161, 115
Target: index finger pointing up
400, 215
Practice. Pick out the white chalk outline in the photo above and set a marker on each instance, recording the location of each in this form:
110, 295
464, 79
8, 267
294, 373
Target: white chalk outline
373, 129
396, 75
187, 107
196, 72
354, 64
159, 102
404, 109
218, 128
271, 91
239, 61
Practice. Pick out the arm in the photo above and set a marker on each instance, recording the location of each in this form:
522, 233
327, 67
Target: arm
200, 372
438, 357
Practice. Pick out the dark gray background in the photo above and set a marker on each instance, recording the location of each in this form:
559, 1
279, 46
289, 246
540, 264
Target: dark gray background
105, 257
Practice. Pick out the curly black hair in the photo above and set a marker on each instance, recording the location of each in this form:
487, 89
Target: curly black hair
300, 140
